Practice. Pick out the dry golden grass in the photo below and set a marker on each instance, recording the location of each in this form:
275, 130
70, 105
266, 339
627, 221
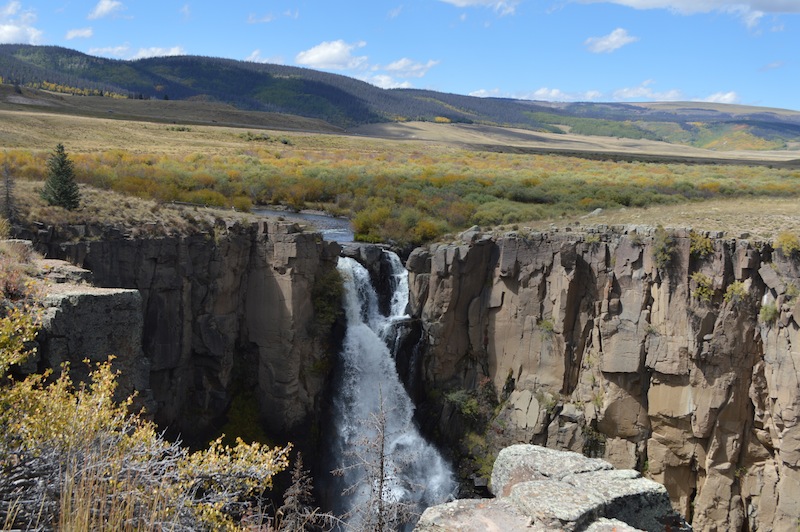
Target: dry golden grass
762, 218
138, 216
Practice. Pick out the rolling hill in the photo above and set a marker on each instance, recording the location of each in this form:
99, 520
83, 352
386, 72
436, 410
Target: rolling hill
344, 102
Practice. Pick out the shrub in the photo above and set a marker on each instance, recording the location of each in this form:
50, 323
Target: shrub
700, 246
735, 293
788, 243
464, 401
663, 247
74, 458
703, 290
769, 313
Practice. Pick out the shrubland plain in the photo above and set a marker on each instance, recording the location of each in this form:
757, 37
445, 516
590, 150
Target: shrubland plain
401, 191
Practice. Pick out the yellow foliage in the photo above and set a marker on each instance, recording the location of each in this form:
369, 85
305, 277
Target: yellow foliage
108, 469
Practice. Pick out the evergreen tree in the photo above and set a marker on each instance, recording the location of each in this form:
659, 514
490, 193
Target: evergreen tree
9, 209
60, 188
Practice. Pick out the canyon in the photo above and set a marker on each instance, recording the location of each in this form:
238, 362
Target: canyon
615, 341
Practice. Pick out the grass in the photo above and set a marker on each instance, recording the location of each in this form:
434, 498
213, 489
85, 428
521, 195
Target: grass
408, 192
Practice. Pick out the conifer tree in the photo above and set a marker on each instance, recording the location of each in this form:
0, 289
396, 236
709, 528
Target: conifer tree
9, 208
60, 187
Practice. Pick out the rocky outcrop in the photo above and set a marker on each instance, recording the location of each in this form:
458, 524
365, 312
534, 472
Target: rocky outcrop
676, 354
227, 311
537, 488
81, 322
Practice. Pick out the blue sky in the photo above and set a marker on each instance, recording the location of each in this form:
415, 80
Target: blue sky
729, 51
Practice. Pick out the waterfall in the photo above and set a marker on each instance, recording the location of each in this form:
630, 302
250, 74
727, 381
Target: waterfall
415, 475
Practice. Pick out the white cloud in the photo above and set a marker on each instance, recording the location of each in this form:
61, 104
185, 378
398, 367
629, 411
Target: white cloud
186, 11
486, 93
541, 94
504, 7
155, 51
385, 81
111, 51
608, 43
105, 8
255, 57
255, 19
16, 26
407, 68
394, 13
80, 33
645, 92
557, 95
721, 97
772, 66
750, 11
333, 55
9, 10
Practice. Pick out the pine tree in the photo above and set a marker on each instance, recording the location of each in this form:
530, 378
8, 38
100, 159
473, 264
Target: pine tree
9, 209
60, 188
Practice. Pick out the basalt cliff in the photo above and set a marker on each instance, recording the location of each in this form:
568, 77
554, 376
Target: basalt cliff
674, 353
230, 312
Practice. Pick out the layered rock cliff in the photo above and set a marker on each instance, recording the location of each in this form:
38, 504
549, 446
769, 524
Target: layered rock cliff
676, 354
230, 311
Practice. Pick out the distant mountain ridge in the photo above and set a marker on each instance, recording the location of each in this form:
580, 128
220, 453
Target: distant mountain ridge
345, 102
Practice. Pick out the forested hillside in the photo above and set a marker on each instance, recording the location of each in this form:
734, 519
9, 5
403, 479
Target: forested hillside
346, 102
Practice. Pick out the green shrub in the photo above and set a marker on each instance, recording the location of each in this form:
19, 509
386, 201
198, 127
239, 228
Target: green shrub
769, 313
466, 403
704, 290
326, 297
788, 243
663, 247
735, 293
700, 246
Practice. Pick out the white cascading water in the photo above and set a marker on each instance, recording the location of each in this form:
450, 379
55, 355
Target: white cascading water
416, 472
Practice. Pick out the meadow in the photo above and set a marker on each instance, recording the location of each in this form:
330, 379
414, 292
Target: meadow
401, 191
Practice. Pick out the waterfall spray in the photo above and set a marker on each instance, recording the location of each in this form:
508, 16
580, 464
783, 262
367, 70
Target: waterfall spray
387, 466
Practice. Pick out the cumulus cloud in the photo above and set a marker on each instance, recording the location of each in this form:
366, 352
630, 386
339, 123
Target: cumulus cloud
504, 7
16, 25
105, 8
256, 57
385, 81
333, 55
646, 92
111, 51
542, 94
155, 51
486, 93
80, 33
407, 68
608, 43
721, 97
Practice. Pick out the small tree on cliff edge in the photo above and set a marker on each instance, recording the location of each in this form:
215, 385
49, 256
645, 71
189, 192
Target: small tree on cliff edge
60, 188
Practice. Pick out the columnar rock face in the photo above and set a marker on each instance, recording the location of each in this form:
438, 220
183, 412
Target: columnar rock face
685, 366
222, 313
537, 488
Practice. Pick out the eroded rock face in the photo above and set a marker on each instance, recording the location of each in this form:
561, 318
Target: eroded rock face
592, 345
221, 313
544, 489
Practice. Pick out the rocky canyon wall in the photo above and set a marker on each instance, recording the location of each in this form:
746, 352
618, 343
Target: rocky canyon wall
226, 312
675, 353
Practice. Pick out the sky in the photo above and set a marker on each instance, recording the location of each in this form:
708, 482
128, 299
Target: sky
726, 51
